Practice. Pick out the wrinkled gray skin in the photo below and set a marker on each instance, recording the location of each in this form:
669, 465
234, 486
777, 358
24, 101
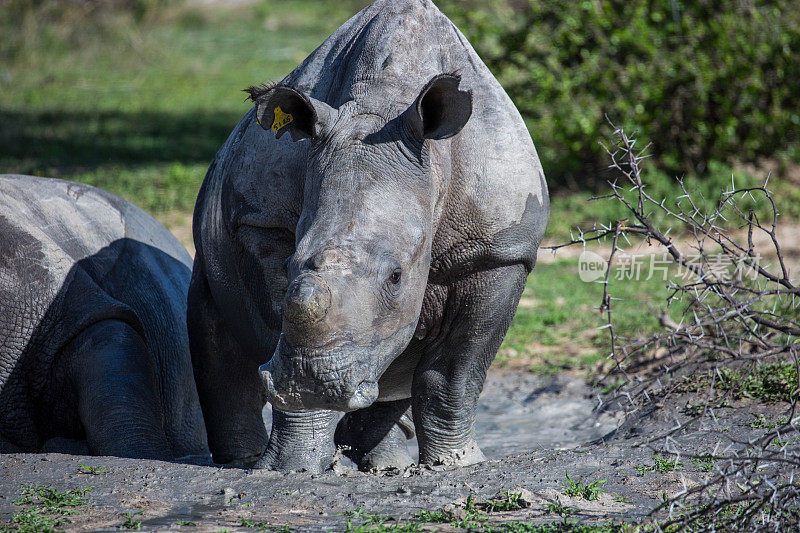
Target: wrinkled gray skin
373, 257
94, 353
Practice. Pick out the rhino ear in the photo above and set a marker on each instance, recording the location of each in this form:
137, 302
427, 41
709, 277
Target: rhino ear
280, 109
442, 109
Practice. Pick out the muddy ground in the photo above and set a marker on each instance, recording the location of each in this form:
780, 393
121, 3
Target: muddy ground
535, 430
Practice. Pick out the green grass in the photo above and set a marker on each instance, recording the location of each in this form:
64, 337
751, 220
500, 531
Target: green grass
254, 524
587, 491
130, 521
45, 508
767, 382
571, 210
555, 327
661, 465
93, 470
704, 463
473, 520
140, 109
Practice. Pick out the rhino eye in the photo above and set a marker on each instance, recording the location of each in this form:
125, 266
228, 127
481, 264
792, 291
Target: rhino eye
395, 277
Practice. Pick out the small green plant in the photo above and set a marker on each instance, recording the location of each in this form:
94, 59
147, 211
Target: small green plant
185, 523
579, 489
761, 421
565, 526
45, 508
130, 521
471, 517
93, 470
621, 498
663, 464
261, 526
559, 509
772, 382
435, 517
660, 464
704, 463
505, 501
359, 521
49, 498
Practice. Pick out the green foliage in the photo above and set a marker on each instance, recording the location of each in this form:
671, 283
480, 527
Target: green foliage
261, 526
49, 498
504, 501
772, 382
761, 421
559, 508
660, 464
360, 521
587, 491
93, 470
704, 80
130, 521
92, 92
704, 463
557, 527
45, 508
556, 323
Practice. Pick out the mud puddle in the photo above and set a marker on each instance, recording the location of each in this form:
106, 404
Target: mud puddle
534, 430
518, 413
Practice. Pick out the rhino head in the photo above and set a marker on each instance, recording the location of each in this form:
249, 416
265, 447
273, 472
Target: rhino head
363, 241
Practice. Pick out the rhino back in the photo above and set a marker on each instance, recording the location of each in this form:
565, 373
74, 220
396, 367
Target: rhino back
76, 255
494, 205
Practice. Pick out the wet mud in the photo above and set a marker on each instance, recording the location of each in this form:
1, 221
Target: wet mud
534, 431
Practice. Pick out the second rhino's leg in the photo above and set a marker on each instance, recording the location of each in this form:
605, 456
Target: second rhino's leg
450, 375
114, 380
300, 440
376, 435
228, 384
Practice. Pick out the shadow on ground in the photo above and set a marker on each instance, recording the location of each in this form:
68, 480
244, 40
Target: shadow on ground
70, 140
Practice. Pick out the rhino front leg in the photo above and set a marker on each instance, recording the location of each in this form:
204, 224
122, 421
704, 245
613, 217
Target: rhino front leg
119, 403
228, 385
377, 435
301, 440
449, 378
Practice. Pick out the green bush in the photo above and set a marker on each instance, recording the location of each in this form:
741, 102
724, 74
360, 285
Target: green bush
704, 79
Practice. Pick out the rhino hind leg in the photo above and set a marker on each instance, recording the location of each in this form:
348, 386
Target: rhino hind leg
119, 403
375, 437
450, 376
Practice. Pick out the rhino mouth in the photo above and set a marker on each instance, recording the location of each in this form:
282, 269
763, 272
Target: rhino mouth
300, 379
341, 376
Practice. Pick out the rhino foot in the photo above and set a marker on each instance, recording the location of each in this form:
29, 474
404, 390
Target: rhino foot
386, 457
300, 441
468, 455
375, 437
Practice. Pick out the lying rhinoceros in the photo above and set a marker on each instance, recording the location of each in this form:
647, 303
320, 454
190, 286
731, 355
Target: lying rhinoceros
373, 257
94, 354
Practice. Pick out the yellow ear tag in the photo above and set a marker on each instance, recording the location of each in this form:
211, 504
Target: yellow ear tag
281, 119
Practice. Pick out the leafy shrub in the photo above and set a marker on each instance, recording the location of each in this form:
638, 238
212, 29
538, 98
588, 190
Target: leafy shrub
706, 79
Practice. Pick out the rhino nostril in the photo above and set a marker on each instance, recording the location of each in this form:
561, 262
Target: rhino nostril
307, 299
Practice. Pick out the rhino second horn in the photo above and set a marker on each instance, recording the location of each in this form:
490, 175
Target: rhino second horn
307, 300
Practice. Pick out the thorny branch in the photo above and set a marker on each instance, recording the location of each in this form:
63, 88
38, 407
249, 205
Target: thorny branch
727, 324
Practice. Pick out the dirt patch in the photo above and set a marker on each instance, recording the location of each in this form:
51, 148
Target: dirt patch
550, 414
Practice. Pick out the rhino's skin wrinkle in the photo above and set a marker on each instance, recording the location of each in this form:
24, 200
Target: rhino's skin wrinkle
94, 352
404, 210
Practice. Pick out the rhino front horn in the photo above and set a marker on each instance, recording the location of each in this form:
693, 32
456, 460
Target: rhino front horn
307, 300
